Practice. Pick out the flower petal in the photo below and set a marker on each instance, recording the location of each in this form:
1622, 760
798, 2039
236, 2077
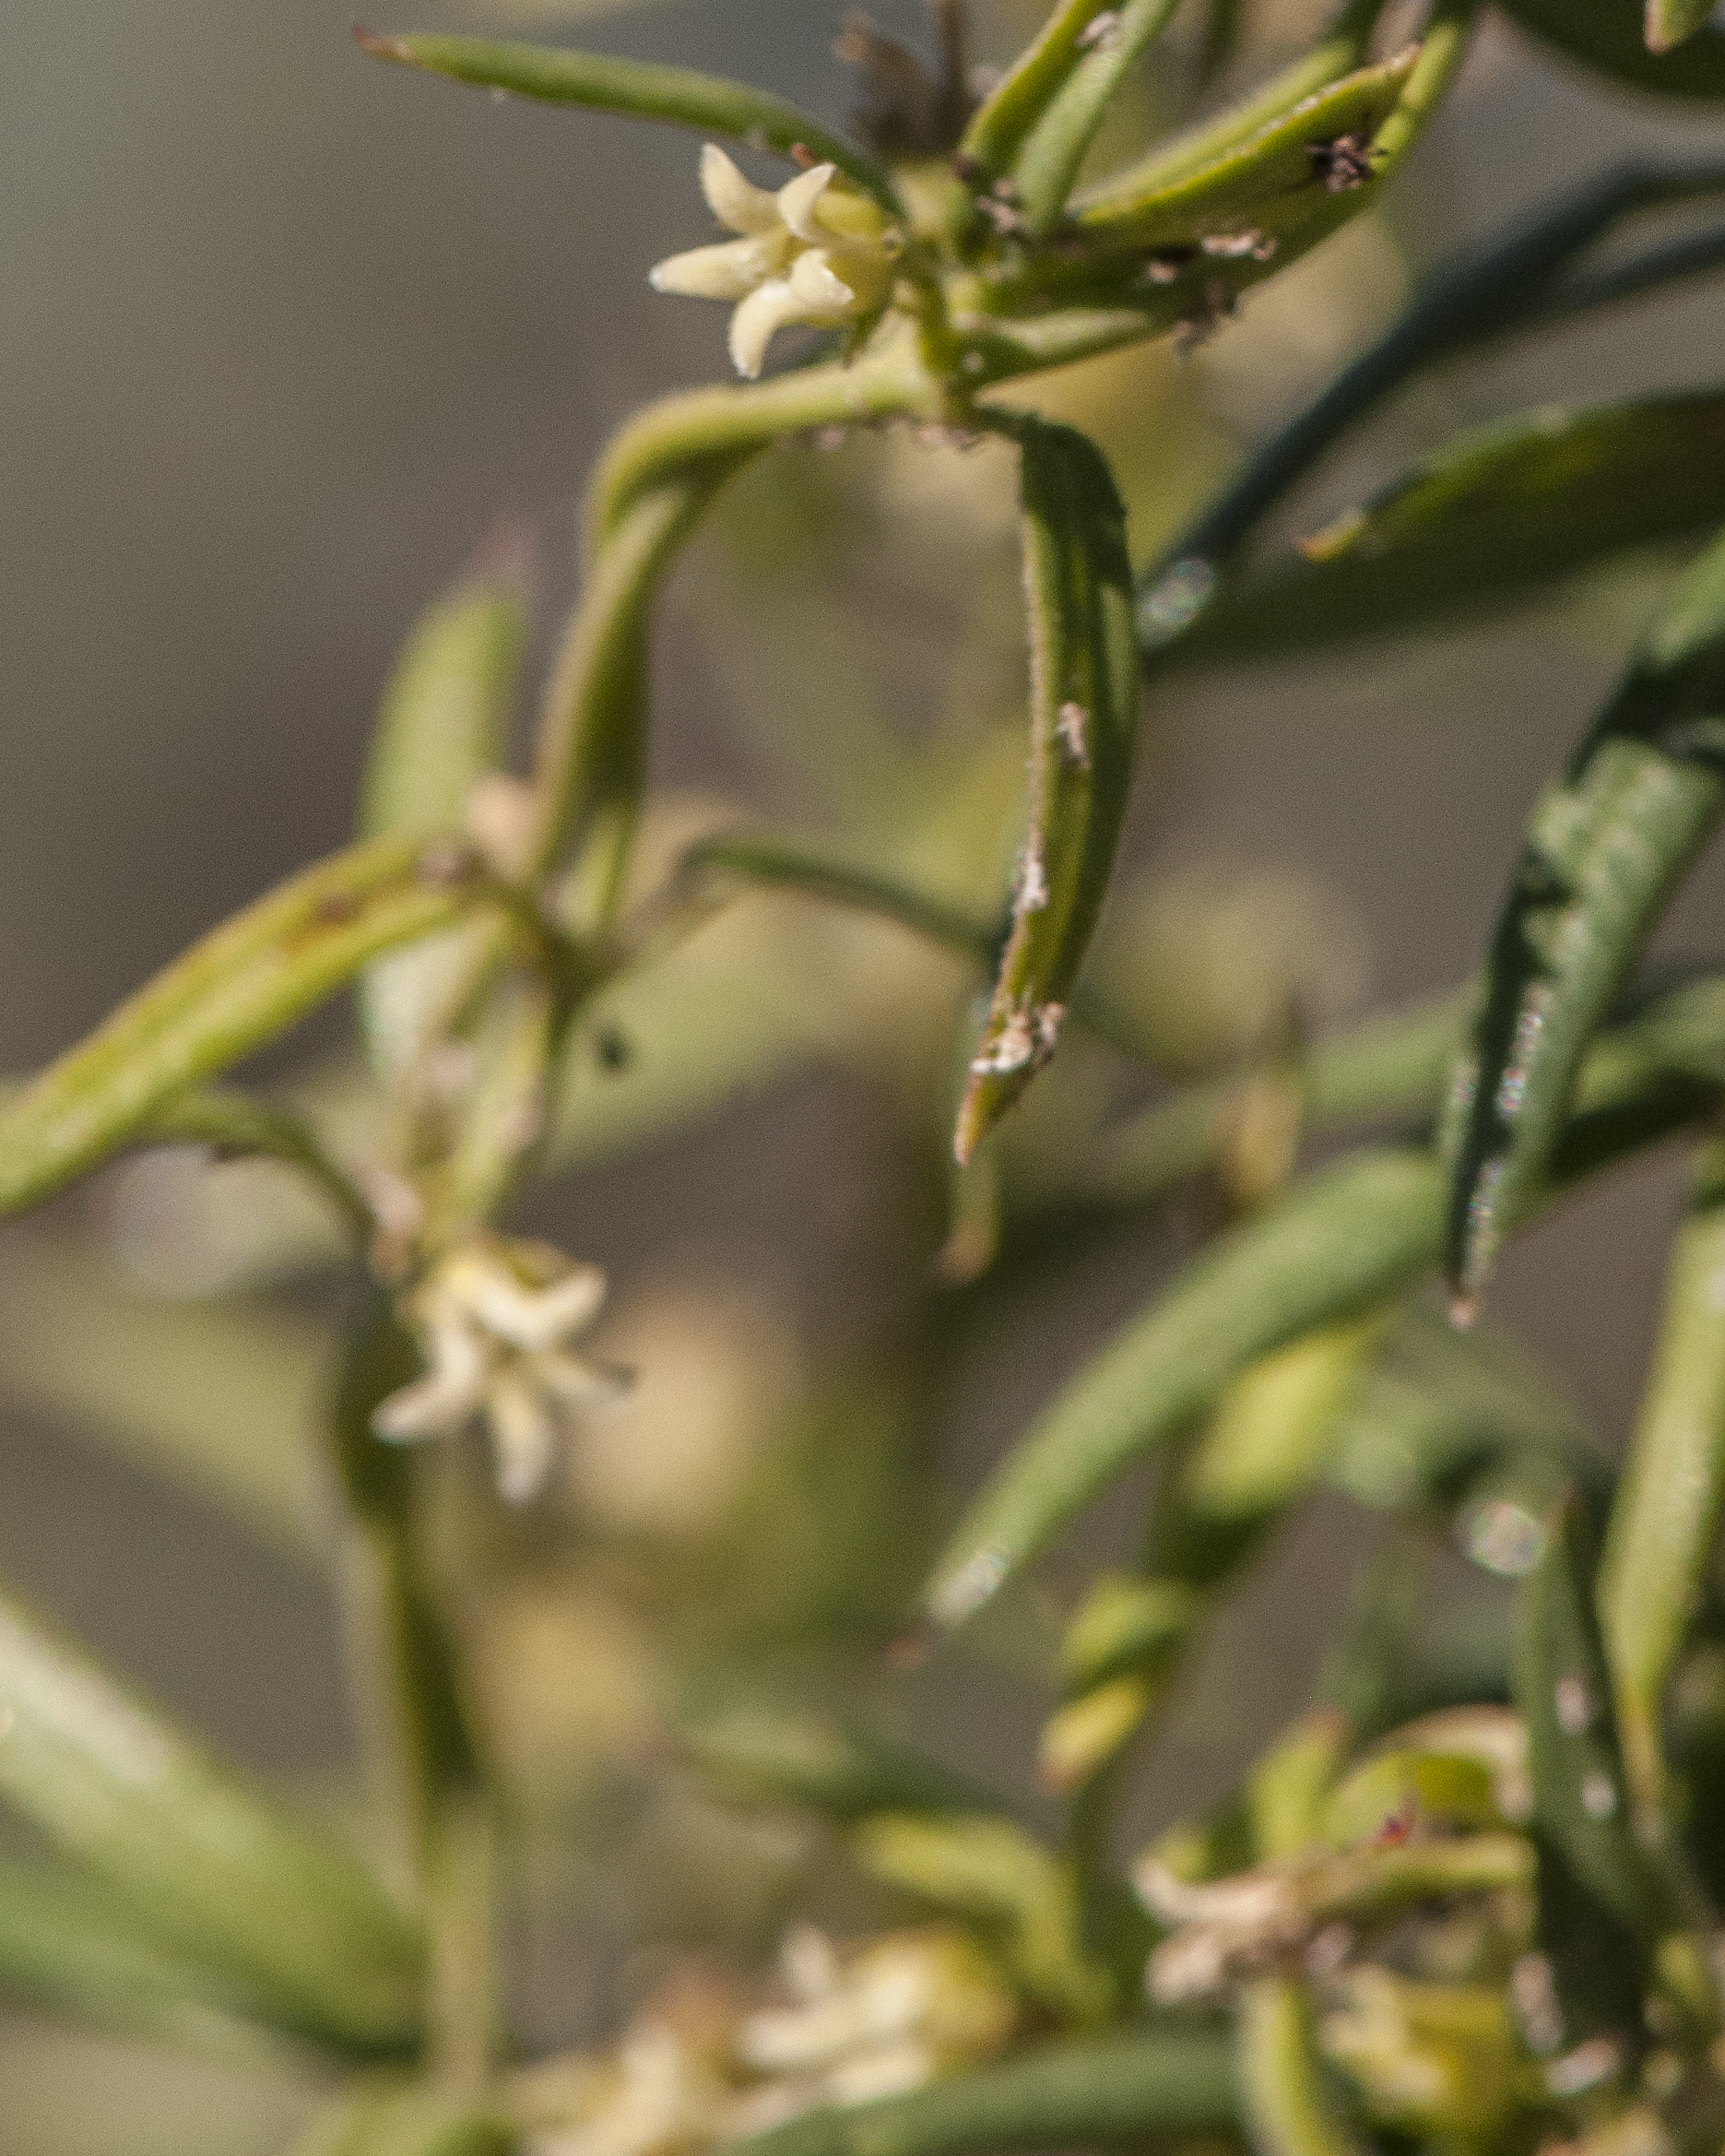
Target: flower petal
766, 310
797, 197
730, 271
734, 200
527, 1317
573, 1381
818, 285
441, 1402
522, 1434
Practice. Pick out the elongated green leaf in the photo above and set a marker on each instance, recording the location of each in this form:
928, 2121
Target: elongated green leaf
1339, 1242
985, 1868
1084, 695
1122, 1624
1603, 849
1047, 162
440, 728
1060, 2096
1273, 182
245, 983
800, 865
1609, 35
209, 1869
1563, 1688
410, 2122
1669, 22
1288, 2111
780, 1754
708, 102
63, 1951
1007, 115
1667, 1507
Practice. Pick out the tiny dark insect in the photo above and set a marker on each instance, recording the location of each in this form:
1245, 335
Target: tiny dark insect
1342, 164
1397, 1828
612, 1049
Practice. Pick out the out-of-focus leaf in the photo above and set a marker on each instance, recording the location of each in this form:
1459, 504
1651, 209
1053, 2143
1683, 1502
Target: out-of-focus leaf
1563, 1689
783, 1756
1121, 1624
1339, 1242
1288, 2111
1669, 22
1403, 1786
63, 1951
1603, 849
410, 2122
1270, 183
1048, 158
209, 1869
222, 1402
1667, 1506
1608, 36
440, 728
1120, 2088
985, 1868
708, 102
1085, 693
245, 982
1285, 1792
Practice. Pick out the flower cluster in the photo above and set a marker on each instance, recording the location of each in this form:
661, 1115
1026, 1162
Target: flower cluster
816, 252
493, 1319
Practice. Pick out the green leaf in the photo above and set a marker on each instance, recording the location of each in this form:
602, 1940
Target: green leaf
441, 727
780, 1754
1671, 22
985, 1868
1288, 2109
1059, 2096
1010, 110
387, 2121
1610, 36
1272, 182
1085, 693
707, 102
209, 1870
1123, 1623
1667, 1507
63, 1951
1603, 849
245, 983
1049, 159
1445, 1788
1563, 1688
1339, 1242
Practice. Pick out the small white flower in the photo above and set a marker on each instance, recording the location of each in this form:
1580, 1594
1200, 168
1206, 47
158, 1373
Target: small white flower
493, 1320
816, 252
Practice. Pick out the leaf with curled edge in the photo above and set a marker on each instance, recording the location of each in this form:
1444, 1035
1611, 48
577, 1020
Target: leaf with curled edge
1604, 849
1609, 37
245, 983
1083, 696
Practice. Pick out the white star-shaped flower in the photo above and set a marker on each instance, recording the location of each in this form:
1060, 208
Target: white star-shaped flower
816, 252
493, 1319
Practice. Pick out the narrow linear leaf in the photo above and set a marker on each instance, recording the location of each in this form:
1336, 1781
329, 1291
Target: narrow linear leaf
63, 1951
410, 2122
1669, 22
1121, 2088
245, 983
1274, 181
1608, 36
1047, 162
708, 102
1288, 2111
1007, 115
440, 728
801, 865
1667, 1507
778, 1755
1603, 849
1338, 1243
211, 1871
1563, 1689
1083, 695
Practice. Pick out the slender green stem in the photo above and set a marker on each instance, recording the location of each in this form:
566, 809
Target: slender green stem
227, 1121
462, 2010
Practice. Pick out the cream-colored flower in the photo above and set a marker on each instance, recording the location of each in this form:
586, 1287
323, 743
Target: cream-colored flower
493, 1320
816, 252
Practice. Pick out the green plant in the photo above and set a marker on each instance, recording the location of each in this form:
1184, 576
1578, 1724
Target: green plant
1469, 1897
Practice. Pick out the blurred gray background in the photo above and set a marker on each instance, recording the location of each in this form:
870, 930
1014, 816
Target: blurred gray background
281, 331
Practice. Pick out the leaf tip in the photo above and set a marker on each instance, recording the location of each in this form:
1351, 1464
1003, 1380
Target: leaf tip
381, 47
1464, 1312
957, 1594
